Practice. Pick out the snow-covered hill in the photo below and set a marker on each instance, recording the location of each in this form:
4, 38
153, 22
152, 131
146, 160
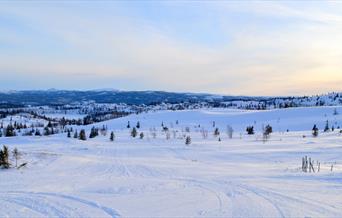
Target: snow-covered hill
158, 176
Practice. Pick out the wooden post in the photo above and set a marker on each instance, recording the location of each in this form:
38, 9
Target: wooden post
319, 166
310, 164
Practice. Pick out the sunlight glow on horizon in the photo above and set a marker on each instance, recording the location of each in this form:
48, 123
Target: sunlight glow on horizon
233, 48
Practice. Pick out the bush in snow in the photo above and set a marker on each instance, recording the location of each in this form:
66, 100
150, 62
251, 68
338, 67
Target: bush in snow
141, 135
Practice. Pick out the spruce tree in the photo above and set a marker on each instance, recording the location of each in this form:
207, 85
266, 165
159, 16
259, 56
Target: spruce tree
216, 132
112, 136
250, 130
10, 131
315, 131
134, 132
82, 135
141, 135
4, 157
188, 140
326, 128
76, 134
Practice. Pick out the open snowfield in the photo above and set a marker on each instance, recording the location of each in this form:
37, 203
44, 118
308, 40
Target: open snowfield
156, 177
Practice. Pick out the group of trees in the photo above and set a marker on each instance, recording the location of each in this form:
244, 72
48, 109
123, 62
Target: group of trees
4, 157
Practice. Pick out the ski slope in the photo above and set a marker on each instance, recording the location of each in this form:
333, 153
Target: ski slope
156, 177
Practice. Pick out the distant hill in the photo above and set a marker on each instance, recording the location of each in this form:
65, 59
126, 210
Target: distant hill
62, 97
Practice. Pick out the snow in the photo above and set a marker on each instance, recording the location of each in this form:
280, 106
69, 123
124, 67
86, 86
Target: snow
132, 177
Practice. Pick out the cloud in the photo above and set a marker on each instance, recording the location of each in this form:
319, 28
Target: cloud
271, 48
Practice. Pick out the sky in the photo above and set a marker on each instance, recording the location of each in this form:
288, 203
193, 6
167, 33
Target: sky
222, 47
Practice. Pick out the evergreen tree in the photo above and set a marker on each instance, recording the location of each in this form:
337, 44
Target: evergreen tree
82, 135
315, 131
141, 135
10, 131
138, 125
268, 130
188, 140
326, 128
134, 132
4, 157
76, 135
37, 133
250, 130
216, 132
69, 133
128, 125
47, 131
93, 132
112, 136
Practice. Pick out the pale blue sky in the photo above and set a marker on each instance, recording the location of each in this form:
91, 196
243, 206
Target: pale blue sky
226, 47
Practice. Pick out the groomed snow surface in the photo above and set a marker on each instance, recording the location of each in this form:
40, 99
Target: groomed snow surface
156, 177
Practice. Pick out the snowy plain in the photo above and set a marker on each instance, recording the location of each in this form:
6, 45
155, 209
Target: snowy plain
159, 177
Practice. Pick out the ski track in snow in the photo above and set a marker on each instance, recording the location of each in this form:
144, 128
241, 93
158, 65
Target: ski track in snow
50, 204
165, 178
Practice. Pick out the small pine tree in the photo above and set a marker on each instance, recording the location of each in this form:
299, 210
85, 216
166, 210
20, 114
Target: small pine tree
141, 135
16, 155
134, 132
326, 128
69, 134
268, 130
188, 140
37, 133
4, 157
315, 131
82, 135
250, 130
112, 136
75, 134
216, 132
128, 125
10, 131
93, 132
138, 125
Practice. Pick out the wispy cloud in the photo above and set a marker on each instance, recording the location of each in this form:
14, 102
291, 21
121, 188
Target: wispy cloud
265, 48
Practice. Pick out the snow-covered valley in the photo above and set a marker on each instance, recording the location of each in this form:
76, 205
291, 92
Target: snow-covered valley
160, 176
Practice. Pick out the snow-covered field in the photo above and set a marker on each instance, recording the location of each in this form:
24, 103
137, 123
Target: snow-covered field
156, 177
